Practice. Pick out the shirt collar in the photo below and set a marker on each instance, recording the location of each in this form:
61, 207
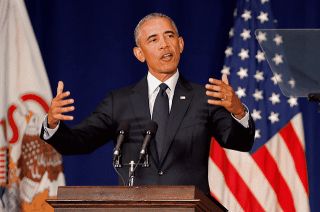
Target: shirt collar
153, 82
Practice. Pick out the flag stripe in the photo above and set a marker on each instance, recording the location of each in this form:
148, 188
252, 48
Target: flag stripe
246, 166
234, 181
281, 154
294, 145
270, 169
298, 128
219, 188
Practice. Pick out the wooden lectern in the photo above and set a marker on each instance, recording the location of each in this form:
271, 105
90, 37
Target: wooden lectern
136, 198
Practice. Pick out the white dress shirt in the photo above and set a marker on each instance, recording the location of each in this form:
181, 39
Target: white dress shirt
153, 89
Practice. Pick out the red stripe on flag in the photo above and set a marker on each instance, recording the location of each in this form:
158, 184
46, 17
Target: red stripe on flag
270, 169
234, 181
294, 145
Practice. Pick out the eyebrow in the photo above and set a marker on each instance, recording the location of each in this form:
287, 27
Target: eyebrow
151, 36
166, 32
169, 32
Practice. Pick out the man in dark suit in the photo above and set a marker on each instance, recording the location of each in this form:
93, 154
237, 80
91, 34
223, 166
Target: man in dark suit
191, 114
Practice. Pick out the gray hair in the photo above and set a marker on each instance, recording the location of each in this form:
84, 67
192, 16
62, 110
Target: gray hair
148, 17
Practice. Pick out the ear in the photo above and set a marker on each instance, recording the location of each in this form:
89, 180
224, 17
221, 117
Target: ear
139, 54
181, 44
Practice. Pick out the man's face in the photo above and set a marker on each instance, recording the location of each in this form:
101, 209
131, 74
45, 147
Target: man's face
160, 46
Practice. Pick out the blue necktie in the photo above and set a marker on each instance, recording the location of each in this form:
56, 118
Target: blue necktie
160, 115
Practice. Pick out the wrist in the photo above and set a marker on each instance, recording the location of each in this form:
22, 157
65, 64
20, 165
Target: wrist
52, 124
241, 113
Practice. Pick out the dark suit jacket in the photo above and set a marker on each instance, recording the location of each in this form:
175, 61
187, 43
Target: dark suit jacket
191, 125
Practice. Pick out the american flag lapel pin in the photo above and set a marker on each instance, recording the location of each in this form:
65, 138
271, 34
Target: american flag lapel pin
182, 97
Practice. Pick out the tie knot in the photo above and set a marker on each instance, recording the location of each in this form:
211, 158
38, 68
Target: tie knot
163, 87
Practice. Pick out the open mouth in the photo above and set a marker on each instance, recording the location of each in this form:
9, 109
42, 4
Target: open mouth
167, 57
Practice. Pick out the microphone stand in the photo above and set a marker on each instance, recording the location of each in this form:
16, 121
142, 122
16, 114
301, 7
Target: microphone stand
133, 166
131, 173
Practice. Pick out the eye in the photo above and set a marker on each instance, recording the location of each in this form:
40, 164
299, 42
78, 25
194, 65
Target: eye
152, 40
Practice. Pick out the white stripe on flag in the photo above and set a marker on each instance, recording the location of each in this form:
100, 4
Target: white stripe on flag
297, 125
220, 189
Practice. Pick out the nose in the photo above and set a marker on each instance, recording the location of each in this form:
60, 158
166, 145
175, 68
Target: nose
163, 44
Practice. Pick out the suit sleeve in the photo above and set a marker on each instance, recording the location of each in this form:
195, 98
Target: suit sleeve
230, 133
90, 134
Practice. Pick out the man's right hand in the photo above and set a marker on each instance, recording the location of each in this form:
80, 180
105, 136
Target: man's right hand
59, 106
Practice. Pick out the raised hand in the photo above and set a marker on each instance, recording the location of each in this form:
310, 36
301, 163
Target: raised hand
222, 94
59, 106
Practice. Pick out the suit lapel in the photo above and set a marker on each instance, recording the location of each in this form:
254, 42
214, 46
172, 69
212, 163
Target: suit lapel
140, 104
182, 98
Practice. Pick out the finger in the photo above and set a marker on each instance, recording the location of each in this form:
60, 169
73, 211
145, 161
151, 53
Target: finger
65, 102
216, 102
215, 94
65, 117
215, 81
63, 95
224, 79
64, 109
213, 87
60, 87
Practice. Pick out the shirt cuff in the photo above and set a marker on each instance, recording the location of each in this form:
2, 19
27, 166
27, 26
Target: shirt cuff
48, 132
245, 120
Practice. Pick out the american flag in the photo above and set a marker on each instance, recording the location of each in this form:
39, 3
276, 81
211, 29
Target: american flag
273, 176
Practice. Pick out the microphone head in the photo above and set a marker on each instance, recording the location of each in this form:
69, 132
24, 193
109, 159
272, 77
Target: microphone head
151, 127
123, 126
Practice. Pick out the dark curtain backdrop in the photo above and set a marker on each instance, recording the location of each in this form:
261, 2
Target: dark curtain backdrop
88, 45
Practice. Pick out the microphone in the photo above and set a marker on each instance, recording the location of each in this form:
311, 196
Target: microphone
151, 130
122, 131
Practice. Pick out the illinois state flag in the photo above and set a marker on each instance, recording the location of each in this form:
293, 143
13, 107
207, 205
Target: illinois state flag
273, 176
30, 170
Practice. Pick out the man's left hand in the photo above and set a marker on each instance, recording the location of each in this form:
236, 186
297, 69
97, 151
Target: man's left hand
223, 95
